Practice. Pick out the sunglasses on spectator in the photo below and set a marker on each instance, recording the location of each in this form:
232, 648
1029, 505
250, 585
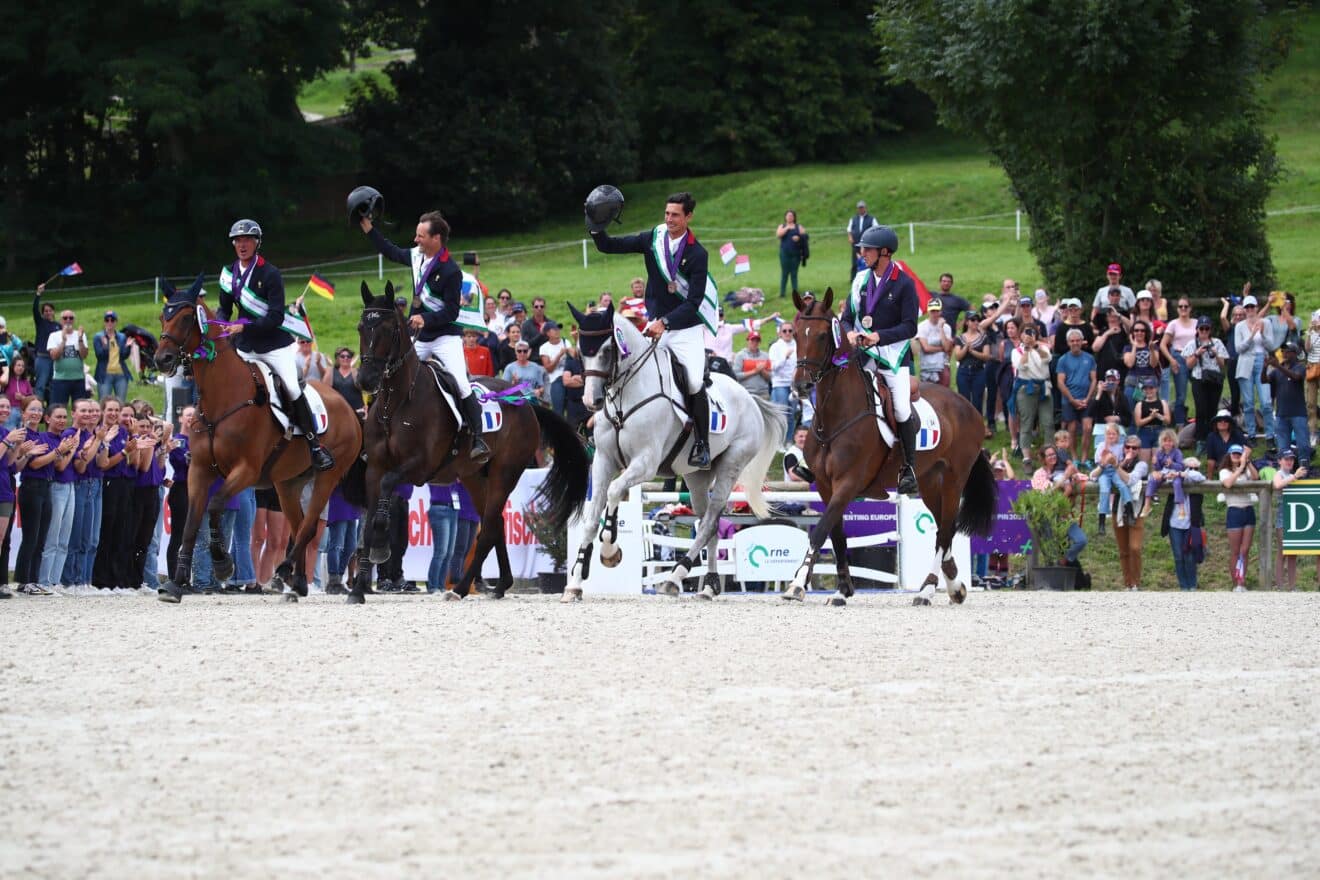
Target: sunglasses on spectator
1182, 306
504, 296
346, 354
66, 317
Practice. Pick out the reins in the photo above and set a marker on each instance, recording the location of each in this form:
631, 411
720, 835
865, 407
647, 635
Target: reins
821, 369
392, 363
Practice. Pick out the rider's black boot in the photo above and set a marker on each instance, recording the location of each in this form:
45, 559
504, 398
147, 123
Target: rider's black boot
699, 407
471, 408
907, 474
322, 460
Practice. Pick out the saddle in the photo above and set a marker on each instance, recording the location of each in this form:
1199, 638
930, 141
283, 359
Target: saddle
271, 390
680, 382
884, 401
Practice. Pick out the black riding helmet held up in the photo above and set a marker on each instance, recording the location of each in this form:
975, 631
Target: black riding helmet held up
603, 205
364, 201
879, 237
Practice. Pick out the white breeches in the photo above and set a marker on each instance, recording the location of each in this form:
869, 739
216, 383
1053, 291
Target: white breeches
283, 363
688, 347
900, 388
448, 350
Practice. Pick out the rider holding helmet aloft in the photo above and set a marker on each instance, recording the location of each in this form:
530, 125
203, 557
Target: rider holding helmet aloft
676, 288
437, 285
880, 318
255, 286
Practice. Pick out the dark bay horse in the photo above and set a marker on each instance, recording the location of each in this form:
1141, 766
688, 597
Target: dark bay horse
850, 460
413, 438
237, 438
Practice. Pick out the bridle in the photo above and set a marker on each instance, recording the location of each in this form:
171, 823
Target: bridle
616, 380
817, 368
397, 354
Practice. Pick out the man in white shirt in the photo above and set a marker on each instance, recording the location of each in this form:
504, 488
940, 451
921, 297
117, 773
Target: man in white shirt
1127, 299
783, 363
936, 340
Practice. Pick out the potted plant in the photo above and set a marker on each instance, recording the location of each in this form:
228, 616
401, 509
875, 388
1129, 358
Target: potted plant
555, 544
1047, 514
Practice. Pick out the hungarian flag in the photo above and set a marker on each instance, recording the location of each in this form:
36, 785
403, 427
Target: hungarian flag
321, 287
923, 294
71, 269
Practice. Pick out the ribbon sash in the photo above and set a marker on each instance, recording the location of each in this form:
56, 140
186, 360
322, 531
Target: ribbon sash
709, 310
421, 269
259, 308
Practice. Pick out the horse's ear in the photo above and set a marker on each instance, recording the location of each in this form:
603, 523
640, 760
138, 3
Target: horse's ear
366, 294
166, 288
389, 290
577, 316
797, 302
829, 297
196, 288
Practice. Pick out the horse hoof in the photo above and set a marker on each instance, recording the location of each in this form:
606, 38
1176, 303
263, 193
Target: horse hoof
452, 596
276, 584
288, 597
957, 594
794, 594
355, 599
706, 594
572, 594
222, 570
170, 593
668, 588
612, 561
838, 601
920, 600
377, 555
300, 585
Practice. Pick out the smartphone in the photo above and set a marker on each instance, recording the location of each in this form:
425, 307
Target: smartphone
470, 258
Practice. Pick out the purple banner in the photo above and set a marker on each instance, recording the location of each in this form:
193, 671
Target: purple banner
868, 517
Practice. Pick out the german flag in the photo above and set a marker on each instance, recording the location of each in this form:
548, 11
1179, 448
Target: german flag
320, 286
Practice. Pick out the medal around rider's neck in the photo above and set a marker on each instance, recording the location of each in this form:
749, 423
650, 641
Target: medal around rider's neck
867, 322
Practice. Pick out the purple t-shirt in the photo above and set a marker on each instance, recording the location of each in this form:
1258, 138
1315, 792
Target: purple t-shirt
339, 510
41, 473
154, 475
404, 491
466, 509
114, 446
6, 481
179, 459
70, 473
91, 472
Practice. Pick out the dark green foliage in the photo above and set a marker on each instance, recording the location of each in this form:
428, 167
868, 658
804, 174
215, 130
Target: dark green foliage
149, 121
1130, 131
510, 107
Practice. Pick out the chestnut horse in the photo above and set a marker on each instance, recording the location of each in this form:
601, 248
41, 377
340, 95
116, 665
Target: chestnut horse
412, 437
850, 460
237, 438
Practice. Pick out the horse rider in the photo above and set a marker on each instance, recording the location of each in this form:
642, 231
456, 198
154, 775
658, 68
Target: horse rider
880, 318
674, 293
257, 288
437, 289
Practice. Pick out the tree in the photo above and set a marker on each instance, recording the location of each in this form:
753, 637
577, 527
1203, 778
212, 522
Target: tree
508, 108
1130, 131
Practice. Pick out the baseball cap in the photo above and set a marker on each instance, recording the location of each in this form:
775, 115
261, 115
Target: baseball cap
1150, 382
861, 204
1204, 321
1249, 301
521, 346
2, 322
754, 335
1072, 303
550, 325
1223, 416
1114, 267
1288, 346
1041, 294
935, 305
1236, 447
1288, 452
111, 314
401, 301
1025, 301
1111, 374
1145, 294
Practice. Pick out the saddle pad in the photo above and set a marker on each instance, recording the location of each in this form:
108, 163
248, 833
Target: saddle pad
492, 416
719, 416
928, 426
319, 414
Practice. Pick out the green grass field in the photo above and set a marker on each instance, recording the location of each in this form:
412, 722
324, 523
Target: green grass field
935, 177
327, 95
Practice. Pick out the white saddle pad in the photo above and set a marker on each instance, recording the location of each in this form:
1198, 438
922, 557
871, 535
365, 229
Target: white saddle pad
928, 425
719, 408
492, 416
319, 414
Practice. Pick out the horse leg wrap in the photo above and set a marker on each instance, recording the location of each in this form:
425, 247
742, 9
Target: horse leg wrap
949, 567
584, 561
609, 527
797, 588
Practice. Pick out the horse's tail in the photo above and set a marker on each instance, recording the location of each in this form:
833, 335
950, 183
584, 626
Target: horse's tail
980, 500
354, 482
773, 422
564, 491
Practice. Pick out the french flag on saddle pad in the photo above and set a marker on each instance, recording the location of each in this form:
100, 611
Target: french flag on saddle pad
719, 422
928, 437
491, 419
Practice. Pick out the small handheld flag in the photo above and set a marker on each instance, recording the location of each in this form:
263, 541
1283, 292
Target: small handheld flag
321, 287
728, 252
741, 264
71, 269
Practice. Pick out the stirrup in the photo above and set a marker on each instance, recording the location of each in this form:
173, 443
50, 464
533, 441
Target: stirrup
907, 481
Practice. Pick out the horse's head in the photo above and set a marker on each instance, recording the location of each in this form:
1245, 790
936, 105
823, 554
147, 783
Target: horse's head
382, 338
817, 338
181, 333
606, 341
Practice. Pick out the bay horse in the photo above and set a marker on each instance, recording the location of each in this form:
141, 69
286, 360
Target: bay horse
413, 437
640, 432
850, 460
237, 438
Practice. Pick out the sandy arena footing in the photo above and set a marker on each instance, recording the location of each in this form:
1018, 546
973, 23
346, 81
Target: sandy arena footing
1024, 734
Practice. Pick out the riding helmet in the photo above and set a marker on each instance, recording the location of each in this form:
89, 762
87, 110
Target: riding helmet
879, 237
365, 201
603, 206
245, 227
